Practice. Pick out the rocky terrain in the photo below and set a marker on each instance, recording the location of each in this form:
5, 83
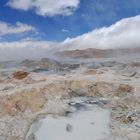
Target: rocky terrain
32, 89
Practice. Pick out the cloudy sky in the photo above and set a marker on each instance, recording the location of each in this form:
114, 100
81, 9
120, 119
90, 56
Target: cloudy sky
34, 25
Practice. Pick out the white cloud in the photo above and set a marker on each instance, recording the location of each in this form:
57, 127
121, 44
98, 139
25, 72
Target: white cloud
65, 30
46, 7
23, 49
6, 28
123, 34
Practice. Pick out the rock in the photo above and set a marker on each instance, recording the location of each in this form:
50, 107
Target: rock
93, 72
19, 75
31, 137
76, 88
128, 119
130, 74
135, 64
20, 102
124, 88
69, 127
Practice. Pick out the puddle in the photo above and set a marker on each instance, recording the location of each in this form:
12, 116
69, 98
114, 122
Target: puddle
89, 123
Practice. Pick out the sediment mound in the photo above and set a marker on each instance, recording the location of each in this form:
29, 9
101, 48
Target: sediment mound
19, 75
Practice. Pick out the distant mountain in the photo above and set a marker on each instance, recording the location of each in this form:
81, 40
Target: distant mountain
98, 53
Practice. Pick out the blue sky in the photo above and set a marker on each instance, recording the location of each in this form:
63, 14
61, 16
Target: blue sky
87, 16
